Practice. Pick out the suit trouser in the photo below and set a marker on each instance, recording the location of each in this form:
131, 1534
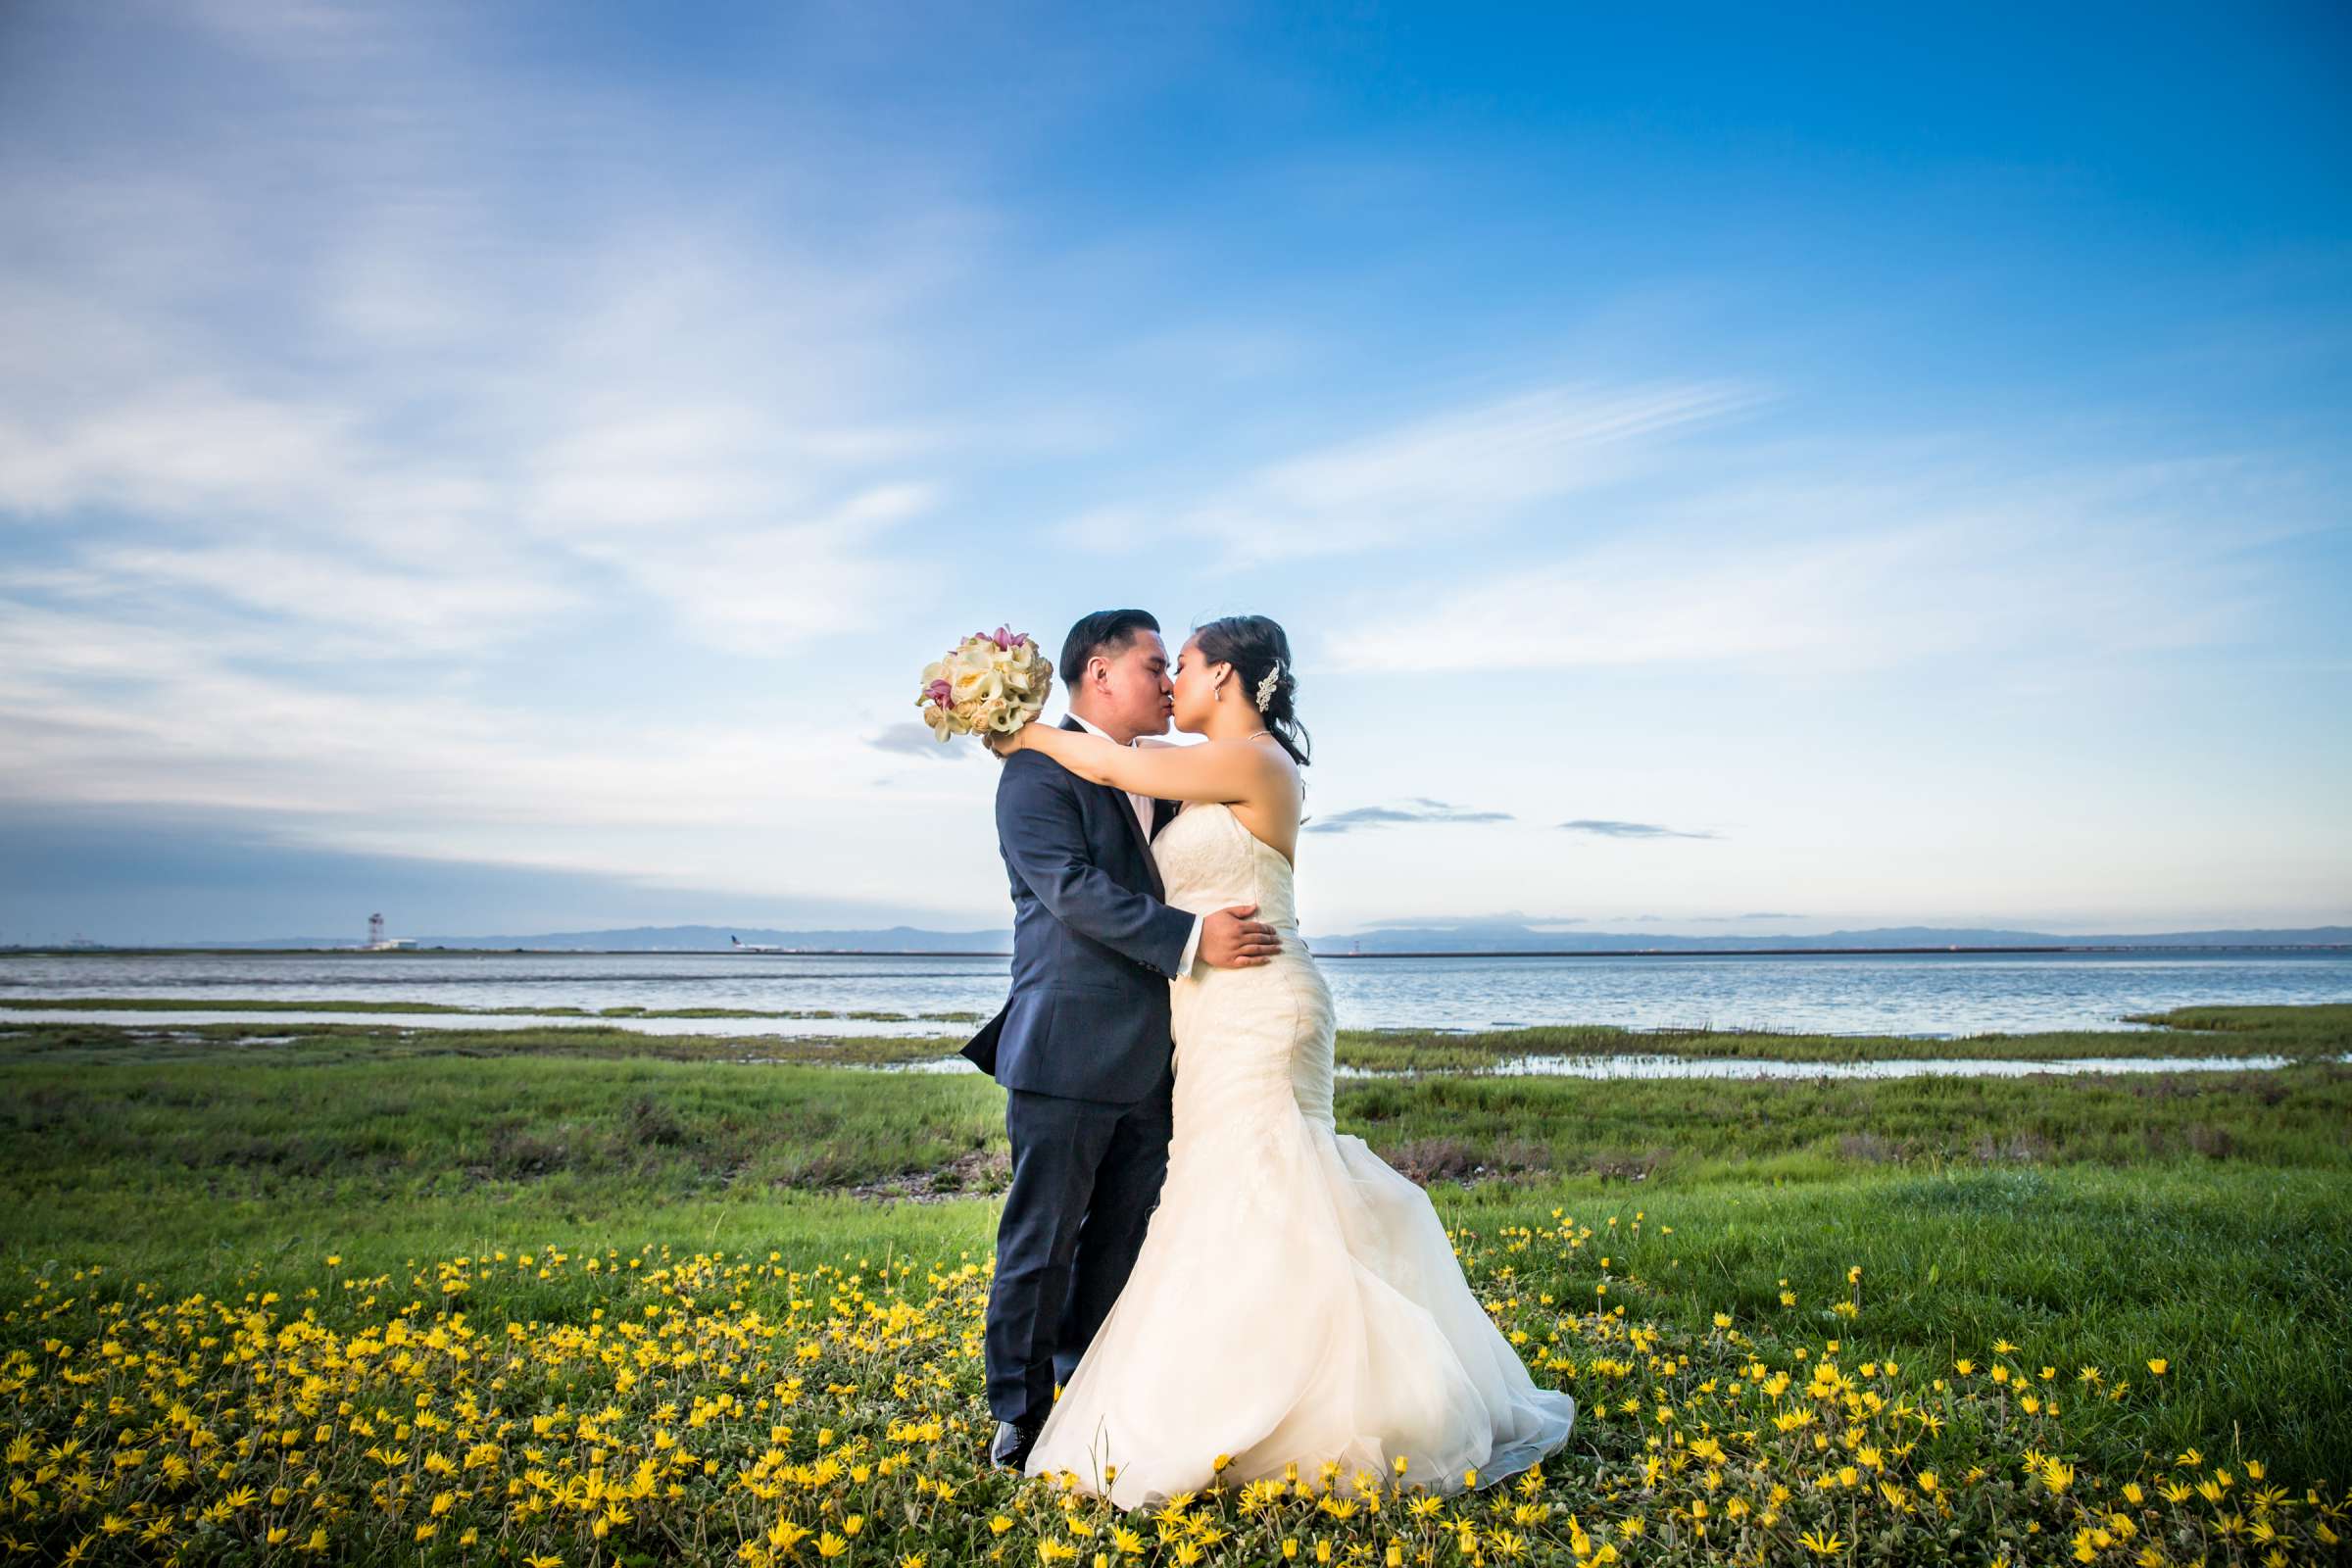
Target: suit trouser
1085, 1177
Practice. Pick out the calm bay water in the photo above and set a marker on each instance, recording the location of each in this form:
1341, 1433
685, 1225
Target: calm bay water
1929, 995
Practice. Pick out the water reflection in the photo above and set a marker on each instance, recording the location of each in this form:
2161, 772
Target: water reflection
1939, 994
1950, 1067
780, 1028
1741, 1068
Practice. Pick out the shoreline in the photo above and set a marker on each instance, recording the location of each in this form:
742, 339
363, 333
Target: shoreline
1320, 956
2300, 1032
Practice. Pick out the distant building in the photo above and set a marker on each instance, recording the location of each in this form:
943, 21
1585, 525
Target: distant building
377, 942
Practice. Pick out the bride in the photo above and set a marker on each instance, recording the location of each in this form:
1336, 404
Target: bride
1295, 1300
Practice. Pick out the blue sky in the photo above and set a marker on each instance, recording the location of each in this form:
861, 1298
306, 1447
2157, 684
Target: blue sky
1731, 471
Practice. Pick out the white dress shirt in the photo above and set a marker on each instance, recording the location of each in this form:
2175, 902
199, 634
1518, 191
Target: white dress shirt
1143, 814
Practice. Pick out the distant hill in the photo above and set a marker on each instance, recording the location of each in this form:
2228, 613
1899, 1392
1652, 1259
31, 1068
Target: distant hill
1481, 937
1498, 937
688, 939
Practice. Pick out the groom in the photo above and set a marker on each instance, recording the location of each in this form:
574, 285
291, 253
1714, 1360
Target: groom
1081, 1047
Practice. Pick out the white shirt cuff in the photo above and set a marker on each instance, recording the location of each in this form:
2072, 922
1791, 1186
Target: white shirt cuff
1192, 946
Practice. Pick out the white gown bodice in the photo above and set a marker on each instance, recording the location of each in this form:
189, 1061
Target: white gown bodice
1209, 861
1255, 1042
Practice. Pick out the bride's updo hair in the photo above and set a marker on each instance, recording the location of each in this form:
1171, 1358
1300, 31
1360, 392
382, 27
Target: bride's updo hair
1252, 644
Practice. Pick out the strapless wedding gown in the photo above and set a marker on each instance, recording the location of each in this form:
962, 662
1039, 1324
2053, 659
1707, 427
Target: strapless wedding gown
1296, 1299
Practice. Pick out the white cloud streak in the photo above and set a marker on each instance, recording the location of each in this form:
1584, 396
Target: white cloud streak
1442, 475
1929, 563
318, 410
414, 388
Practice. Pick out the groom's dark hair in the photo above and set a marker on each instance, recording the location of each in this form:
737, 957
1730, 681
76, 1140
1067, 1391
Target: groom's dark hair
1106, 632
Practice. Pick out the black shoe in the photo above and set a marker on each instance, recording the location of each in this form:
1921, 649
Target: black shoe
1009, 1450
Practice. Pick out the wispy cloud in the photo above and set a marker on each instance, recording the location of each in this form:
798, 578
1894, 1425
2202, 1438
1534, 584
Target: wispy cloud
1604, 828
1419, 810
1448, 472
351, 507
1715, 920
1692, 919
1928, 557
1458, 923
424, 394
914, 737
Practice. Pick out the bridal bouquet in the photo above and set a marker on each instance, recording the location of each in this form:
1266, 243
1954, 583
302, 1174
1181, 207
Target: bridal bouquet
993, 682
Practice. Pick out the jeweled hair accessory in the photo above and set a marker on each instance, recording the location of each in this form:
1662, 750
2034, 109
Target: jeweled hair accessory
1266, 688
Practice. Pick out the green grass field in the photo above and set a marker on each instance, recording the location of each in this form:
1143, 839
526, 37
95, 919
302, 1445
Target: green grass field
2202, 1220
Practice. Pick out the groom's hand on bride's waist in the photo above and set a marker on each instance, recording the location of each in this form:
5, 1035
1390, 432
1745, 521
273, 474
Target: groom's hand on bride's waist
1231, 940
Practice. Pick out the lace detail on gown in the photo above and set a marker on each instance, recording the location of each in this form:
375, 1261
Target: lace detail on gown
1296, 1299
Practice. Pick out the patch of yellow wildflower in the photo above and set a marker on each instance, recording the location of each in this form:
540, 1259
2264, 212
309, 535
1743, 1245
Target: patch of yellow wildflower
715, 1409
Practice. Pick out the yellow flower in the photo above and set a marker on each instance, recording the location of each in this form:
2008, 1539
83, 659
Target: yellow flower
2157, 1366
1822, 1546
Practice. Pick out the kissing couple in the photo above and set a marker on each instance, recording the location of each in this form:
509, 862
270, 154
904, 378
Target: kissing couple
1222, 1282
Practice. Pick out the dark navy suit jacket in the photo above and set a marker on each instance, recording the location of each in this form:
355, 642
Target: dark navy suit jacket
1093, 944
